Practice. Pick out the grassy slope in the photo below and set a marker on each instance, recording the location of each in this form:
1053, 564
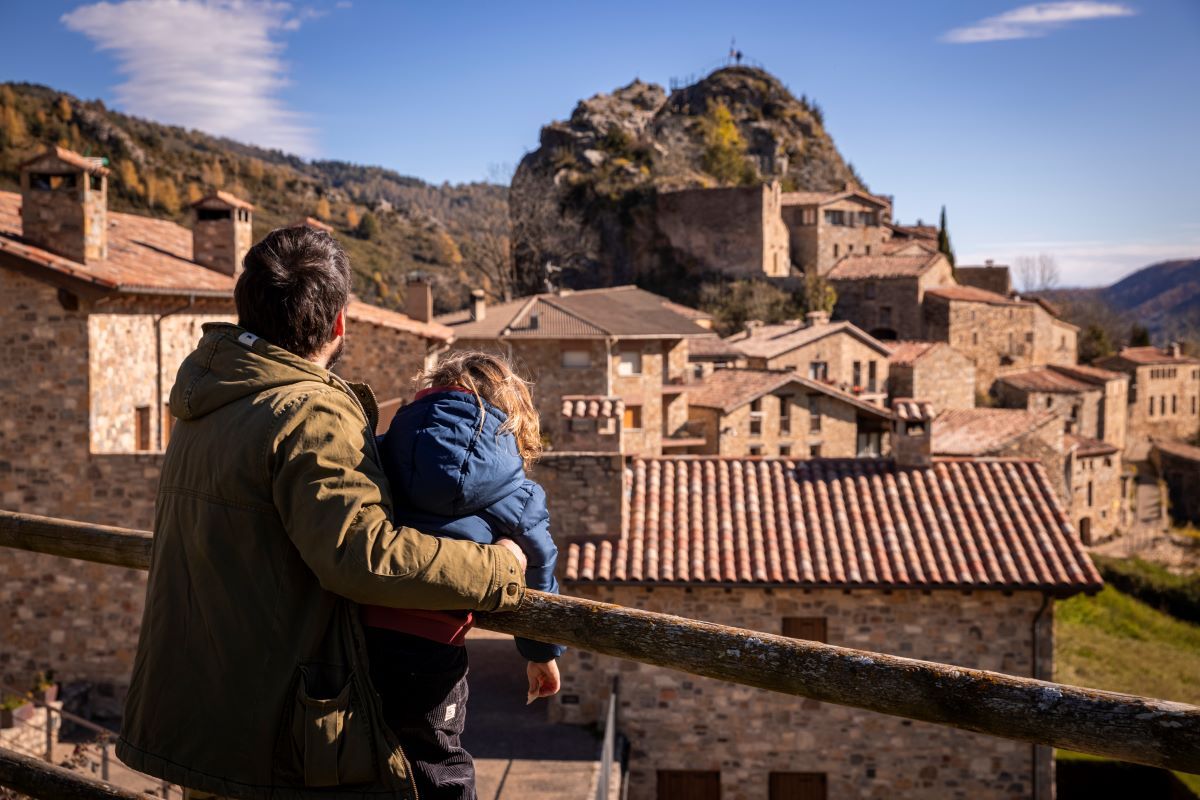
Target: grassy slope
1112, 641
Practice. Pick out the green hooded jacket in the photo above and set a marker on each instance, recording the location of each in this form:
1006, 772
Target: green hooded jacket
272, 523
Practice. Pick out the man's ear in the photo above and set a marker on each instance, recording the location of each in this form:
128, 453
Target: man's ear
339, 324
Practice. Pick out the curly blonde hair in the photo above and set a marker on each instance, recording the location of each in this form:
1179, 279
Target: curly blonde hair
492, 378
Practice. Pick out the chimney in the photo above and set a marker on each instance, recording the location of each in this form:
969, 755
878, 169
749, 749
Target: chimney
64, 204
817, 318
418, 297
1174, 350
989, 262
912, 432
478, 305
223, 232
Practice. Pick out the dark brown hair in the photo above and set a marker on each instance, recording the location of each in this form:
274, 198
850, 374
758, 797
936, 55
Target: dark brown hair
293, 284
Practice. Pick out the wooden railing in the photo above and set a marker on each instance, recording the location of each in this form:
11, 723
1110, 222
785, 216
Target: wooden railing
1142, 730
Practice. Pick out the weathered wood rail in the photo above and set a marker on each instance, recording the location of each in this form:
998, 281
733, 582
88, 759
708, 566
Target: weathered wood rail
1142, 730
36, 778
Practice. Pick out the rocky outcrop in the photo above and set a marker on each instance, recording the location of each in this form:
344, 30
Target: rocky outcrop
583, 202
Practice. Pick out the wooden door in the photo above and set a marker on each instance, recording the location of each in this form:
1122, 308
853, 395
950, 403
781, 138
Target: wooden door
797, 786
688, 785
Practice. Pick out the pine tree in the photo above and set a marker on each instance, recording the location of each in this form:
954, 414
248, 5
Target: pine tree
368, 226
1094, 343
944, 246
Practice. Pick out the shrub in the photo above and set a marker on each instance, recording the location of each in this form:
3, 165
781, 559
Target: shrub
1177, 595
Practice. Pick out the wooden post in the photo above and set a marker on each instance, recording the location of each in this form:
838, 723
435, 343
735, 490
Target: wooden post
1157, 733
37, 779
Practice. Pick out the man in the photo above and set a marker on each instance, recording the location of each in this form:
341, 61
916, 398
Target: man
272, 523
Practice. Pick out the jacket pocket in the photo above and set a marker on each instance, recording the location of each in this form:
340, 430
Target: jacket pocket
332, 735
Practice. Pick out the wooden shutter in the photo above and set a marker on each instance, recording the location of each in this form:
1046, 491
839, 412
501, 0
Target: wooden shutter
798, 786
811, 628
141, 427
688, 785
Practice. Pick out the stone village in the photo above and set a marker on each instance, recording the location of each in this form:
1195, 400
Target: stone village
920, 473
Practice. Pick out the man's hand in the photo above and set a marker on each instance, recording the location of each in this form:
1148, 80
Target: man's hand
511, 546
544, 680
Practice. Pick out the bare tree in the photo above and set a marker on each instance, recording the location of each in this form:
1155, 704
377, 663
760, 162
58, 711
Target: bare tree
491, 254
1037, 273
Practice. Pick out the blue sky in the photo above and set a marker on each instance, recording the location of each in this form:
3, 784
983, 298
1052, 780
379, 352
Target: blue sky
1067, 128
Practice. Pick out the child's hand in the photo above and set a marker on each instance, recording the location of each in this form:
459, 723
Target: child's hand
543, 680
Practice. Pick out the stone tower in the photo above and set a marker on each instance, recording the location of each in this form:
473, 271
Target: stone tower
912, 432
64, 204
223, 232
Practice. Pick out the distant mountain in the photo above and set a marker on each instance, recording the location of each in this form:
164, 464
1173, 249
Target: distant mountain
390, 223
1163, 297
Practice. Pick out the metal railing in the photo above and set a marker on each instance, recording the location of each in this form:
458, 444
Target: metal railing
1126, 727
608, 751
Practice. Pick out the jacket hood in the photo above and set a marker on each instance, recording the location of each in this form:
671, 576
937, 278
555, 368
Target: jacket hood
231, 363
446, 455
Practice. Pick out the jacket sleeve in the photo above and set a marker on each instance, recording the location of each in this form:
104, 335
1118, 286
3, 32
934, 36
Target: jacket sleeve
330, 493
533, 537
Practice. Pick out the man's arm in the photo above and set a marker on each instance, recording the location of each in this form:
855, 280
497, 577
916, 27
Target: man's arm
327, 491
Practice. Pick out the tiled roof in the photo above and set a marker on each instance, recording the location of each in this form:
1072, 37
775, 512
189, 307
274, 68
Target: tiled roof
154, 256
972, 294
88, 164
824, 198
727, 389
223, 198
1147, 355
982, 431
623, 311
314, 223
1087, 373
987, 524
712, 348
908, 247
1044, 379
769, 341
592, 406
1088, 448
906, 352
852, 268
910, 410
1179, 449
915, 231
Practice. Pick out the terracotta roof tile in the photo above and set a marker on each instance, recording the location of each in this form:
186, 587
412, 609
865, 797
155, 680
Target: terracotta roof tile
85, 163
1148, 355
769, 341
1088, 448
972, 294
982, 431
1180, 449
986, 524
730, 388
853, 268
222, 198
386, 318
712, 348
592, 406
1044, 379
907, 352
824, 198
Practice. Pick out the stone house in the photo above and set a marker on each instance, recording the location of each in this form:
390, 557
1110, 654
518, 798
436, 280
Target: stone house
991, 277
738, 231
824, 227
756, 412
1164, 395
1178, 465
833, 550
617, 342
931, 371
1092, 401
883, 294
1087, 473
999, 334
838, 353
100, 309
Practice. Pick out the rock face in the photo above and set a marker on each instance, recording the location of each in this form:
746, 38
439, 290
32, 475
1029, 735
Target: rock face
584, 200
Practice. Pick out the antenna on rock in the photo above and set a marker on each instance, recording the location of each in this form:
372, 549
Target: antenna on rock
735, 55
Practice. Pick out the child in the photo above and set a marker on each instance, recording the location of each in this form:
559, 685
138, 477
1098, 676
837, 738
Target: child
455, 459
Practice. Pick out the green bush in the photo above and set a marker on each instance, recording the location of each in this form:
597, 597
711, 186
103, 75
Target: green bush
1177, 595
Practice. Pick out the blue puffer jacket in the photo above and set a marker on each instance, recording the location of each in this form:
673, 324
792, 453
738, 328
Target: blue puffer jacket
452, 477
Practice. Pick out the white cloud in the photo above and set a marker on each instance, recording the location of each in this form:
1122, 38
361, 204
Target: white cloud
1086, 263
1035, 20
213, 65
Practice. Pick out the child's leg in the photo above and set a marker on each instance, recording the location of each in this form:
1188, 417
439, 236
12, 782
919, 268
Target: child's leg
423, 685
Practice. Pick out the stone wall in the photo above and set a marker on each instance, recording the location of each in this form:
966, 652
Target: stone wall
942, 376
737, 230
1081, 411
1182, 476
585, 493
734, 433
990, 278
1097, 502
840, 351
890, 308
678, 721
817, 244
383, 357
1173, 390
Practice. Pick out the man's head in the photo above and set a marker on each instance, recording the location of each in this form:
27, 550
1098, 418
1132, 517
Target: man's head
293, 291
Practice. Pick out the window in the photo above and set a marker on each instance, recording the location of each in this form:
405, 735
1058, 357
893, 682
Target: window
871, 376
756, 405
1091, 494
141, 427
870, 444
576, 359
785, 414
629, 362
96, 182
974, 338
834, 217
814, 417
1049, 402
1150, 412
835, 251
1174, 404
868, 249
755, 426
797, 786
51, 183
867, 218
849, 249
633, 417
811, 628
856, 374
814, 451
785, 450
818, 370
678, 784
213, 214
1162, 405
756, 449
1193, 405
1029, 337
